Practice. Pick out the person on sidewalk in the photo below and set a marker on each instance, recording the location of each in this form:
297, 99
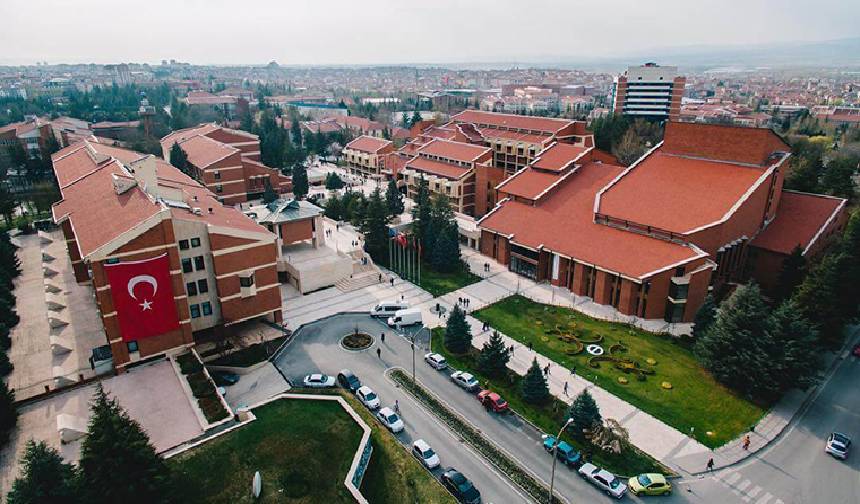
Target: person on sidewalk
573, 369
565, 388
378, 352
746, 442
710, 464
382, 337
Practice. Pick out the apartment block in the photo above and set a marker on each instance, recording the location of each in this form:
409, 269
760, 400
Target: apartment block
649, 91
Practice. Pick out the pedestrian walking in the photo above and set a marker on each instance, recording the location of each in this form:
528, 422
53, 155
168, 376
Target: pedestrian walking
565, 388
382, 337
746, 443
380, 278
396, 406
378, 352
530, 345
512, 349
573, 370
710, 464
392, 281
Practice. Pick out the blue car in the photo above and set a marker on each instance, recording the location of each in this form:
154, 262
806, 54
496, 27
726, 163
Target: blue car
566, 454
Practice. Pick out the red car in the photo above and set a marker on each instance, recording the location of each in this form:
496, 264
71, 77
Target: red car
856, 351
492, 401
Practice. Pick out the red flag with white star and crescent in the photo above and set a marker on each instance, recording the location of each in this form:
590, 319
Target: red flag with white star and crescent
142, 294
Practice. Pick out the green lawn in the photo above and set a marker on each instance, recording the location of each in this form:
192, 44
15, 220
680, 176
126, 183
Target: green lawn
439, 284
548, 418
695, 401
303, 450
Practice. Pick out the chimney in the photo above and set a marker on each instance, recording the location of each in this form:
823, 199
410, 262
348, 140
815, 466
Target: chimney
145, 174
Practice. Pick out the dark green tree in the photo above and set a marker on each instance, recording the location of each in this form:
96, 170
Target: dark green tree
804, 175
793, 344
178, 158
791, 274
422, 222
444, 248
375, 228
705, 316
819, 299
458, 334
44, 478
416, 118
584, 412
393, 199
534, 387
333, 181
8, 412
494, 357
334, 207
296, 131
8, 203
269, 194
838, 180
300, 180
116, 444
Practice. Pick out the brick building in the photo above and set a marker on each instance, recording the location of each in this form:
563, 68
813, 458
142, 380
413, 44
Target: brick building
701, 210
121, 207
366, 156
649, 91
227, 162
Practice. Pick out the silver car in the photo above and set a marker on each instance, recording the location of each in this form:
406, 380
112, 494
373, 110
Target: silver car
318, 380
436, 361
604, 480
465, 380
838, 445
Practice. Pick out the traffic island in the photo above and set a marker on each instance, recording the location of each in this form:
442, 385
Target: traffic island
356, 341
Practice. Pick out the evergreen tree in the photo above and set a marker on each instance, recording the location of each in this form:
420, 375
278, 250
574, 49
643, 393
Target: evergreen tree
791, 274
8, 413
8, 203
584, 412
375, 228
416, 118
269, 194
334, 207
393, 199
494, 357
737, 348
45, 478
444, 248
793, 343
818, 297
333, 181
838, 180
534, 387
705, 316
296, 131
300, 181
458, 334
116, 445
804, 175
422, 225
178, 158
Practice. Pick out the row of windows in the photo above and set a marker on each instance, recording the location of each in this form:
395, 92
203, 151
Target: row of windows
198, 264
205, 308
199, 287
186, 244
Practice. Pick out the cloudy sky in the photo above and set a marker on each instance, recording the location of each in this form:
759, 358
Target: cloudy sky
399, 31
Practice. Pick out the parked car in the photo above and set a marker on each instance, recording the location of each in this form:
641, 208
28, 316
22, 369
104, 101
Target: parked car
492, 401
318, 381
604, 480
367, 397
348, 380
390, 419
388, 308
422, 451
224, 379
856, 351
403, 318
838, 445
566, 454
436, 361
649, 484
463, 489
465, 380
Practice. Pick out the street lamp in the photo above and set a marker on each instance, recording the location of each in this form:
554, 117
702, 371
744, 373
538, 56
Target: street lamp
555, 457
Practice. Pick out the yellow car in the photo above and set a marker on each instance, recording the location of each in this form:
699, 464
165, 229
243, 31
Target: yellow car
649, 484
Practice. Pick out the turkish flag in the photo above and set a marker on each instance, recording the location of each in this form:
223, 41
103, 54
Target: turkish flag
143, 297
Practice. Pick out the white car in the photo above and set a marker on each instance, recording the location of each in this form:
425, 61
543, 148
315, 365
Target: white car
604, 480
390, 419
436, 361
367, 397
465, 381
318, 380
422, 451
838, 445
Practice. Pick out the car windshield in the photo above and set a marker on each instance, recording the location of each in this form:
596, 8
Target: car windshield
839, 438
428, 453
614, 483
644, 480
322, 377
392, 418
370, 396
465, 486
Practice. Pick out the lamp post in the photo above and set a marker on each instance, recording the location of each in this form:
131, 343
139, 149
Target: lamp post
555, 458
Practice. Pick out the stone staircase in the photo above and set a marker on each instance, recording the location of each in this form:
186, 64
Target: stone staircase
359, 280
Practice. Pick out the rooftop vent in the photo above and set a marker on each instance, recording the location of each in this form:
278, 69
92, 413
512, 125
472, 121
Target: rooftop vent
197, 211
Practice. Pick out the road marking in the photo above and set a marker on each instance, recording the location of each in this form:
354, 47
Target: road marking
732, 478
765, 498
741, 487
752, 493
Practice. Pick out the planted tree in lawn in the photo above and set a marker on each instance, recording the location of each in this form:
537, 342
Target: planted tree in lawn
494, 357
116, 445
534, 386
794, 343
422, 223
458, 334
375, 227
584, 412
393, 199
44, 478
445, 250
705, 316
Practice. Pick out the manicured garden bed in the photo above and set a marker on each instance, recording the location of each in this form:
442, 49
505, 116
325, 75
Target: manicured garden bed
438, 283
695, 399
547, 418
250, 355
202, 388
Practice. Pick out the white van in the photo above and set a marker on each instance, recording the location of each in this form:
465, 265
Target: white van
388, 308
405, 318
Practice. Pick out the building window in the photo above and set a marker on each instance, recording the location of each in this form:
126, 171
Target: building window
191, 288
199, 264
132, 347
217, 175
679, 271
186, 265
195, 311
219, 189
202, 286
183, 244
246, 281
195, 242
207, 308
112, 260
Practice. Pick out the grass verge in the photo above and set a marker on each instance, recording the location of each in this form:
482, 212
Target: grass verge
550, 417
438, 283
696, 401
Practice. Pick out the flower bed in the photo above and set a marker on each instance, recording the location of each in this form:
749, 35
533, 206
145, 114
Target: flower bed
357, 341
485, 447
202, 388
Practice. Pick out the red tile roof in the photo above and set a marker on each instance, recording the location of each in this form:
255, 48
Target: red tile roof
514, 136
439, 168
529, 183
564, 223
457, 151
722, 143
369, 144
202, 151
676, 193
543, 124
558, 156
799, 218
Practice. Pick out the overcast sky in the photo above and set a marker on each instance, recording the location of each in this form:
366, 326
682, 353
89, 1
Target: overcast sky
398, 31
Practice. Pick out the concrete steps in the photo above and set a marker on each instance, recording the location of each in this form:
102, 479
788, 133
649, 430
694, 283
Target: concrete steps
358, 281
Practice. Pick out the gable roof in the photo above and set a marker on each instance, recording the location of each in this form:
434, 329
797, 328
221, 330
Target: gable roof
370, 144
799, 220
719, 142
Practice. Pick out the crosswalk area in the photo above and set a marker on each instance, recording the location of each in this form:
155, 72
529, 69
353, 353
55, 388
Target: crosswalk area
745, 489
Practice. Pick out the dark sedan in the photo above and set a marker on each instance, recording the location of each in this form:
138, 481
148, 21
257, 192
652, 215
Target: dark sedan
460, 487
